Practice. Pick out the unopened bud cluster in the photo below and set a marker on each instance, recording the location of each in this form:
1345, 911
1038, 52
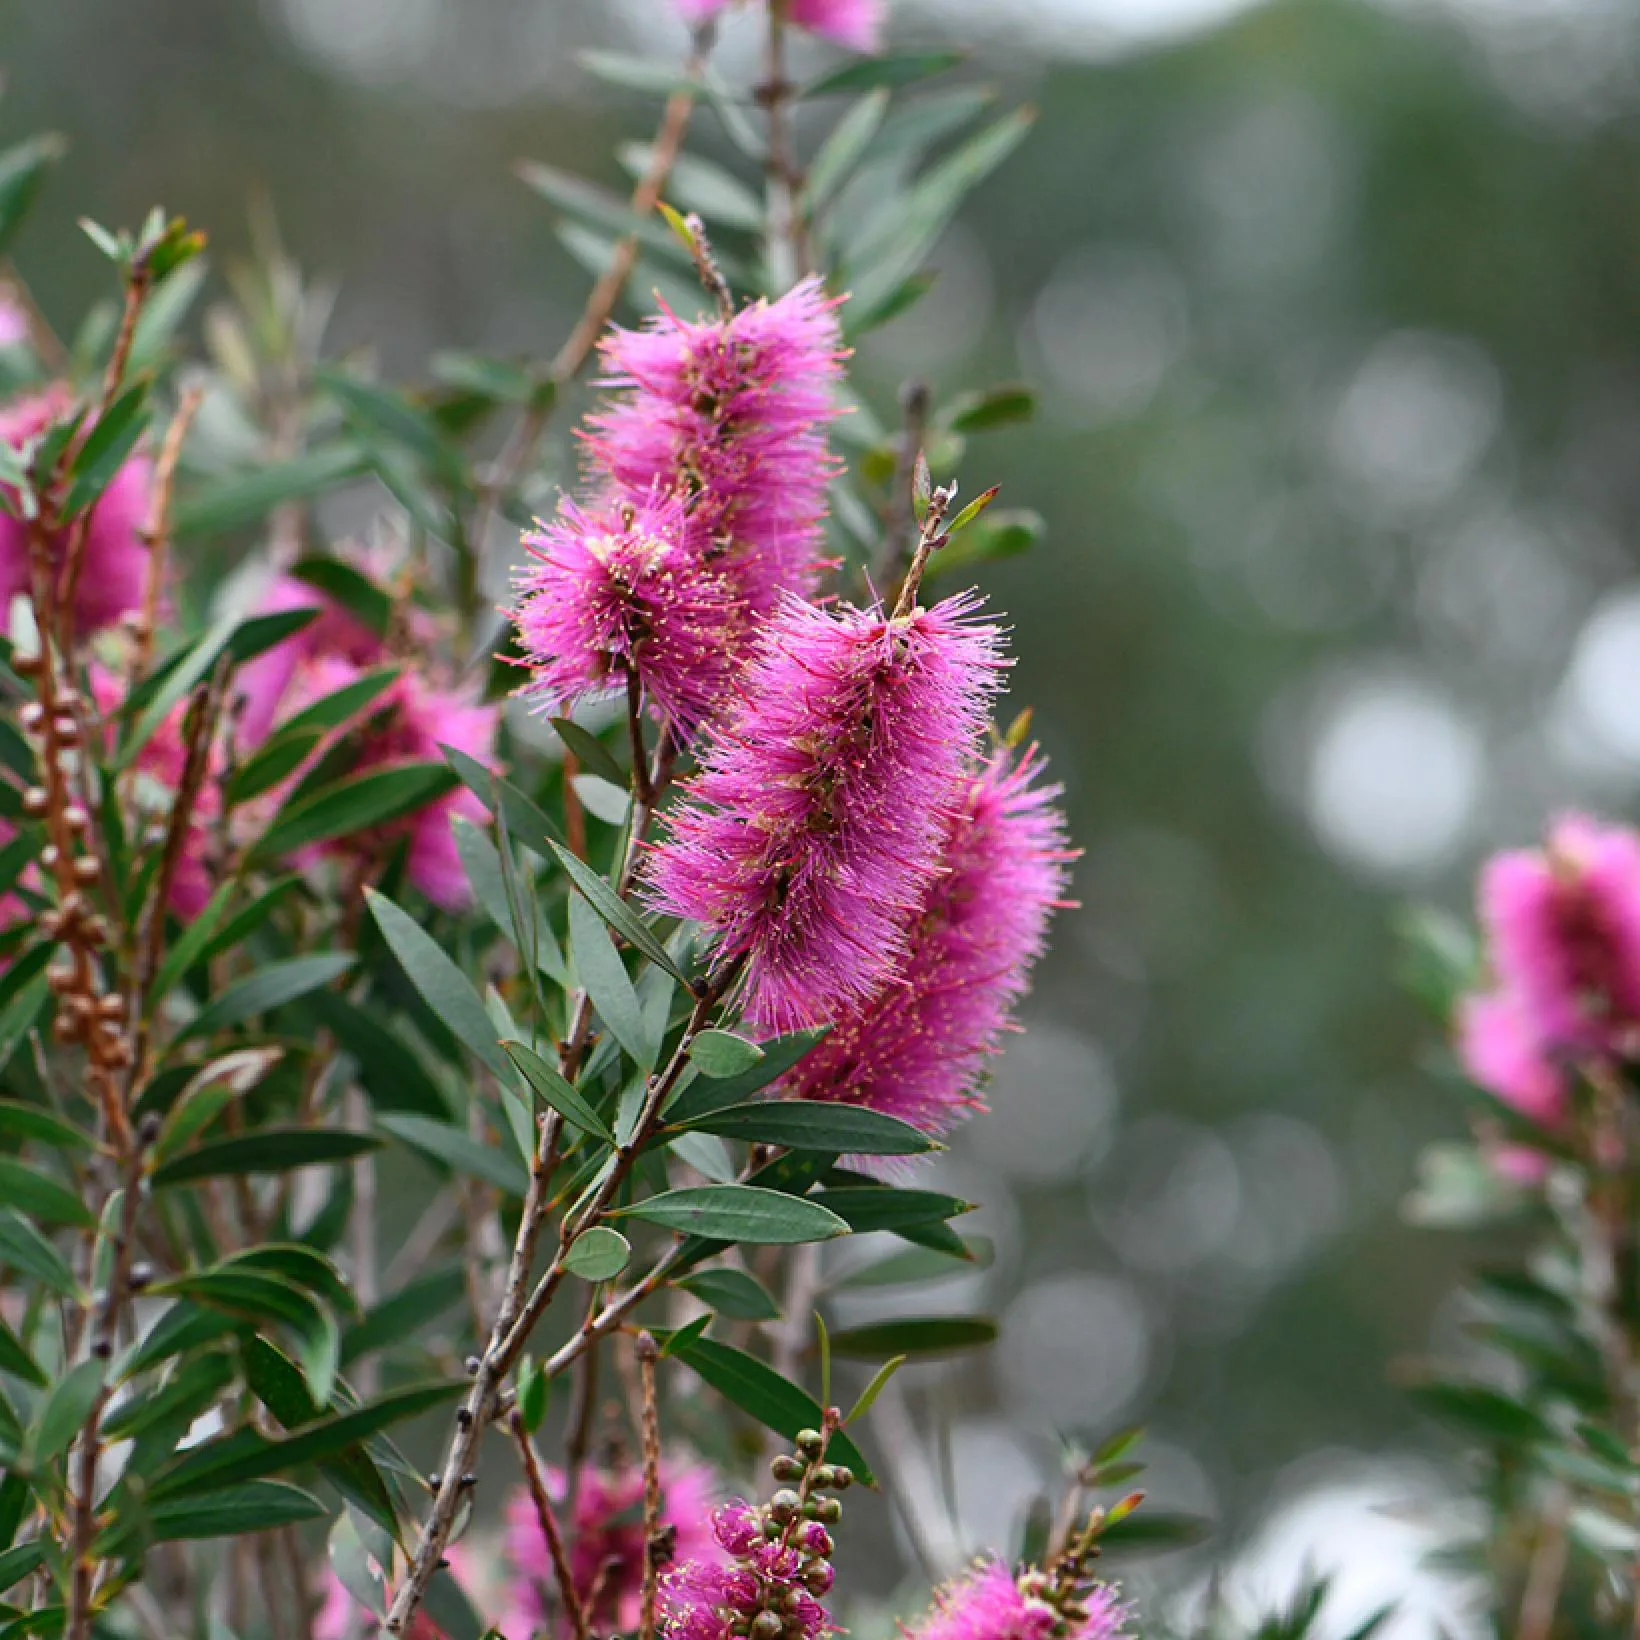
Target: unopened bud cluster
85, 1014
779, 1553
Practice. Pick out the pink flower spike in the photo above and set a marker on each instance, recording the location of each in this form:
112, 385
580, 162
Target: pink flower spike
918, 1048
1564, 931
857, 24
604, 1541
816, 822
730, 415
627, 586
1500, 1054
707, 1600
989, 1604
114, 560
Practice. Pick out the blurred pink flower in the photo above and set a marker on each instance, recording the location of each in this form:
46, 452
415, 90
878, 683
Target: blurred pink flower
262, 683
604, 1540
114, 560
815, 824
341, 1617
1563, 932
857, 24
918, 1048
408, 723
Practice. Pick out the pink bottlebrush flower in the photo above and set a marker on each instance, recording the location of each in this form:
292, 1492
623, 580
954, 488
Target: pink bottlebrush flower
787, 1574
918, 1047
1563, 926
817, 818
114, 560
604, 1542
627, 586
263, 682
730, 415
857, 24
409, 724
1501, 1054
990, 1603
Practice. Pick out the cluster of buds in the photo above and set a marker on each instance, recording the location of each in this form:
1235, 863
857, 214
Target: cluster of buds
85, 1013
779, 1567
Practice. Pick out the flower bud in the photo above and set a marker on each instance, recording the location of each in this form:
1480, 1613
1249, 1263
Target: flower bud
811, 1443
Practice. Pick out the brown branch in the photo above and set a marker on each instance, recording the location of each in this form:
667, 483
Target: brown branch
930, 541
156, 532
536, 1483
653, 1542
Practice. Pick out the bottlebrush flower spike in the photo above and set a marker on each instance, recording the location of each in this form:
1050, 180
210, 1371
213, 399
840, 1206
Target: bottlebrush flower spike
917, 1049
990, 1603
623, 587
816, 822
114, 560
605, 1544
729, 415
1563, 927
857, 24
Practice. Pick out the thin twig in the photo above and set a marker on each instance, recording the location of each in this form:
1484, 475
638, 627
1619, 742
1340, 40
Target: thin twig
900, 524
536, 1483
788, 238
648, 1353
156, 533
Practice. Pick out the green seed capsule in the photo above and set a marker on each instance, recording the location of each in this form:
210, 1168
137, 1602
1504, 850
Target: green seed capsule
768, 1626
811, 1443
787, 1468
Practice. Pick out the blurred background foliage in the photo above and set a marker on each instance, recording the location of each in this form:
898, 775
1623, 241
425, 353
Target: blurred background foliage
1332, 310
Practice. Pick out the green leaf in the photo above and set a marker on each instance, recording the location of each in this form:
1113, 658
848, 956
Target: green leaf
401, 1315
603, 976
772, 1400
245, 1455
30, 1254
190, 667
721, 1054
269, 988
871, 1207
342, 705
817, 1124
42, 1198
234, 1511
15, 1358
590, 752
617, 913
208, 1092
845, 147
246, 498
1482, 1412
741, 1213
598, 1254
915, 1335
267, 1150
22, 1121
354, 804
888, 72
990, 407
734, 1293
1002, 533
922, 1265
64, 1412
527, 822
633, 73
551, 1087
392, 1073
779, 1056
450, 1147
22, 169
275, 761
879, 1382
110, 441
442, 985
1152, 1531
17, 1562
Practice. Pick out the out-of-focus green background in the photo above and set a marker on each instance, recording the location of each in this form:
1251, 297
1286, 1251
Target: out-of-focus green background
1333, 308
